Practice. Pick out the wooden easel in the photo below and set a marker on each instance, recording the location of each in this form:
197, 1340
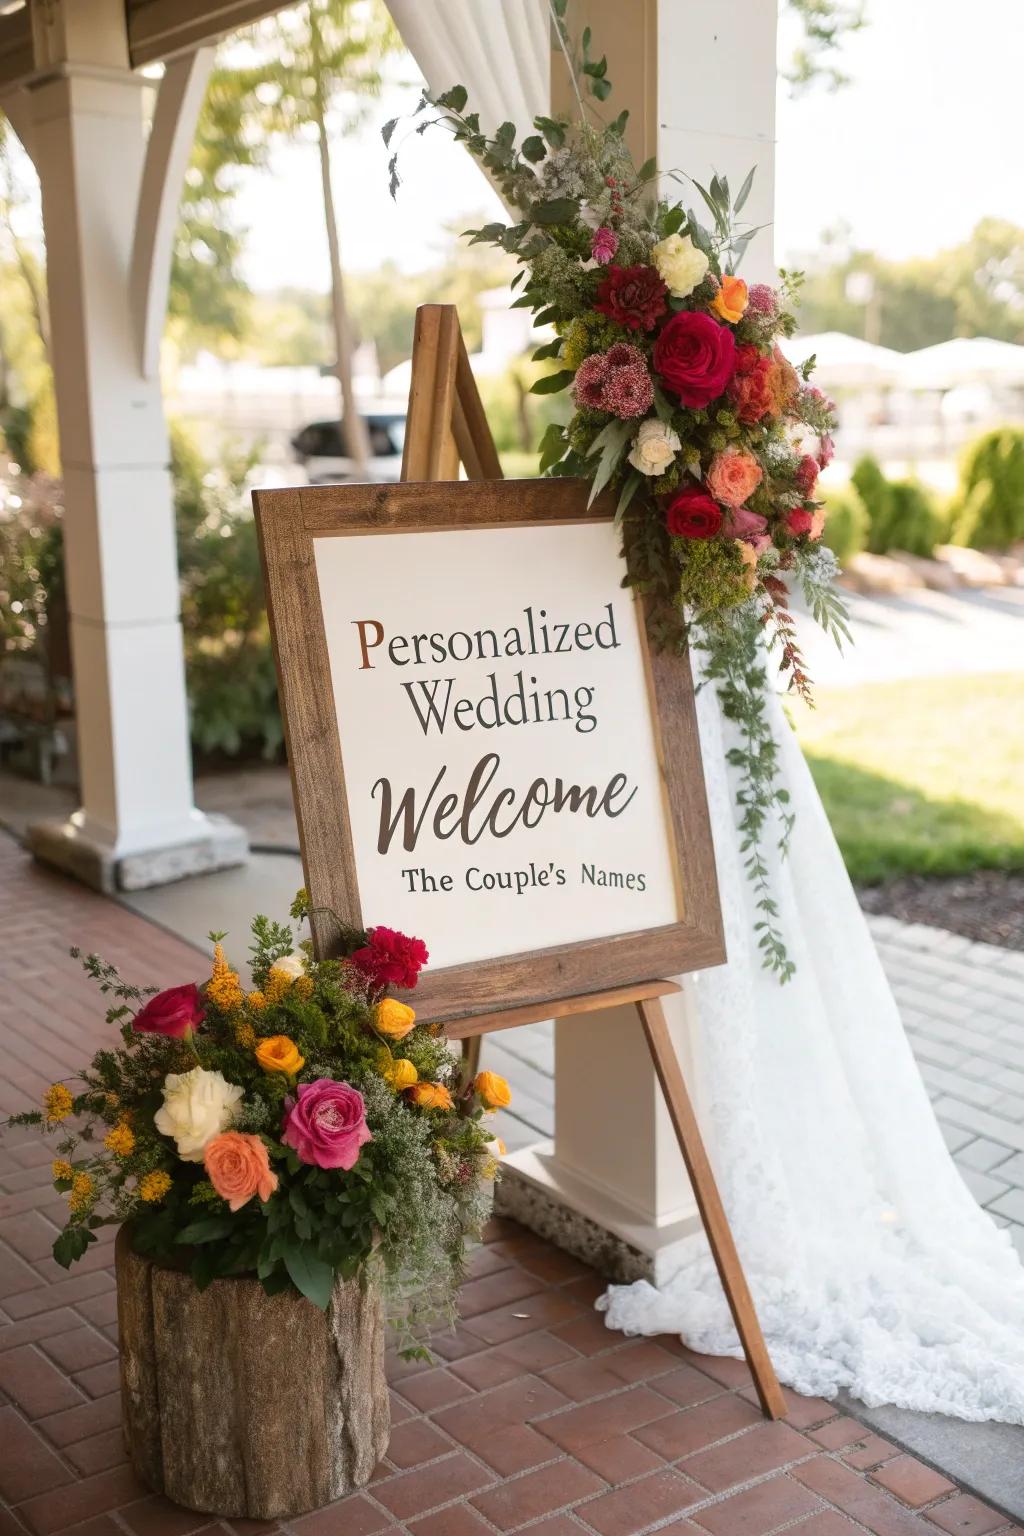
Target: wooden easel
446, 425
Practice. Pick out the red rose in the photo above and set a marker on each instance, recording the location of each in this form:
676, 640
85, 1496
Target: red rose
632, 296
799, 521
695, 357
175, 1012
693, 514
807, 474
390, 959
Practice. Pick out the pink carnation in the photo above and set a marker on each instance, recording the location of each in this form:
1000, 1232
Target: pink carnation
734, 475
799, 521
826, 450
604, 244
807, 474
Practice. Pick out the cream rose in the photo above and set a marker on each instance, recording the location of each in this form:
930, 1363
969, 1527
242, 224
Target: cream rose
197, 1106
681, 266
654, 448
293, 966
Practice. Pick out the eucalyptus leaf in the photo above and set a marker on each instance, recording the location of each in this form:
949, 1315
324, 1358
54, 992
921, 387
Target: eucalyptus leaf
744, 191
551, 383
629, 490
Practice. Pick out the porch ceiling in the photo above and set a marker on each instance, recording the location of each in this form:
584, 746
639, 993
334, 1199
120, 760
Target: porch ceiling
157, 29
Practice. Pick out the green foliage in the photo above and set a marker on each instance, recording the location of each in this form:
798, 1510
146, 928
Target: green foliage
825, 25
229, 663
988, 512
902, 514
846, 524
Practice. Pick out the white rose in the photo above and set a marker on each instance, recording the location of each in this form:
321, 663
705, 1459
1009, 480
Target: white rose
681, 266
197, 1106
293, 966
654, 447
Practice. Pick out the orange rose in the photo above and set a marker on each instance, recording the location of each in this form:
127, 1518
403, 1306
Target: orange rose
730, 301
238, 1168
493, 1090
430, 1096
393, 1019
279, 1054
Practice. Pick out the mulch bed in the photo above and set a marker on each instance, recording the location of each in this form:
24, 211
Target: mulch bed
987, 906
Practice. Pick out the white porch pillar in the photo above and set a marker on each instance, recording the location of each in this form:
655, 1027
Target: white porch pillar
700, 104
138, 824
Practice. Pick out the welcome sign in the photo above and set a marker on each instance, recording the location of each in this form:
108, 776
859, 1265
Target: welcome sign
485, 751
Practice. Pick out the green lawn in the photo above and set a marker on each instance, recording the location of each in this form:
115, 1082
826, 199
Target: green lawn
922, 777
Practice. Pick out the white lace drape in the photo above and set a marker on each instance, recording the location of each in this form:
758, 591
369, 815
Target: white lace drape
870, 1263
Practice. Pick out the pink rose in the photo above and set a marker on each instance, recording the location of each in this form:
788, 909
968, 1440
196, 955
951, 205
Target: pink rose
799, 521
741, 523
326, 1123
174, 1013
733, 476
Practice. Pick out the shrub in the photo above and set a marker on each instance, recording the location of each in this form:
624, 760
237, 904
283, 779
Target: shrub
229, 663
846, 524
901, 514
988, 512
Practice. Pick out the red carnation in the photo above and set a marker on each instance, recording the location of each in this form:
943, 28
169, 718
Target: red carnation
693, 514
390, 959
632, 296
695, 357
174, 1013
799, 521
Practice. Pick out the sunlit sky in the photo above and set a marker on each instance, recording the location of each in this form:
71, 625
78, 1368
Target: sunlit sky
923, 142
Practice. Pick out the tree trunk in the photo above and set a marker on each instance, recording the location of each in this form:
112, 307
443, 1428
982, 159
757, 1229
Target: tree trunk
245, 1405
353, 427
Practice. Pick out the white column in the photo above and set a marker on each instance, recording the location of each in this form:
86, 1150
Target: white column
701, 104
138, 824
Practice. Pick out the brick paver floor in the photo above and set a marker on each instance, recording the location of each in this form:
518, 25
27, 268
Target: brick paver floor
534, 1416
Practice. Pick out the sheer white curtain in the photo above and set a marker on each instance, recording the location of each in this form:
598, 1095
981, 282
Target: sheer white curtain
498, 49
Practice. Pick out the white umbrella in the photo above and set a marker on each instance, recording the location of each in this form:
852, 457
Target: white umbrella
845, 362
964, 360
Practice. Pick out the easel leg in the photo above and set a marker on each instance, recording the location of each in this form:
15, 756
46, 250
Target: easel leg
471, 1056
709, 1203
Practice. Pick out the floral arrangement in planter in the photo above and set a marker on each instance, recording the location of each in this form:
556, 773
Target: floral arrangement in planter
305, 1131
680, 400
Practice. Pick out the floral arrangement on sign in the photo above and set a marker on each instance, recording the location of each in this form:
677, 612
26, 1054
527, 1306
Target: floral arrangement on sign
682, 401
305, 1131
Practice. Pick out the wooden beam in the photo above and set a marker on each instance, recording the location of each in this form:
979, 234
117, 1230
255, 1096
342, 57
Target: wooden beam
159, 29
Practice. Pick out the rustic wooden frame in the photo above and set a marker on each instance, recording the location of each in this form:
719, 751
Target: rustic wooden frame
288, 522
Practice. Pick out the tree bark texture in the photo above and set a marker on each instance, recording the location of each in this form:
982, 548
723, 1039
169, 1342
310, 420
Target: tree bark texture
246, 1405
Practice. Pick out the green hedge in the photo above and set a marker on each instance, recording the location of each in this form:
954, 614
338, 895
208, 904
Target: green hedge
988, 512
902, 514
846, 524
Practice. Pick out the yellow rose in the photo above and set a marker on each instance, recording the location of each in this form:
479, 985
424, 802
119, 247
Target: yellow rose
393, 1019
731, 299
279, 1054
431, 1096
401, 1074
493, 1090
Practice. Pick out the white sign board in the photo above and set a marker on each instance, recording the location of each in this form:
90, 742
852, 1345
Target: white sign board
497, 738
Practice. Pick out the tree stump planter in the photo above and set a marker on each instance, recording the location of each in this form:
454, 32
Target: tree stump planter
246, 1405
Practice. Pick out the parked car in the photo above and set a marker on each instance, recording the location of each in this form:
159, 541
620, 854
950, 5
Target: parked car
320, 449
